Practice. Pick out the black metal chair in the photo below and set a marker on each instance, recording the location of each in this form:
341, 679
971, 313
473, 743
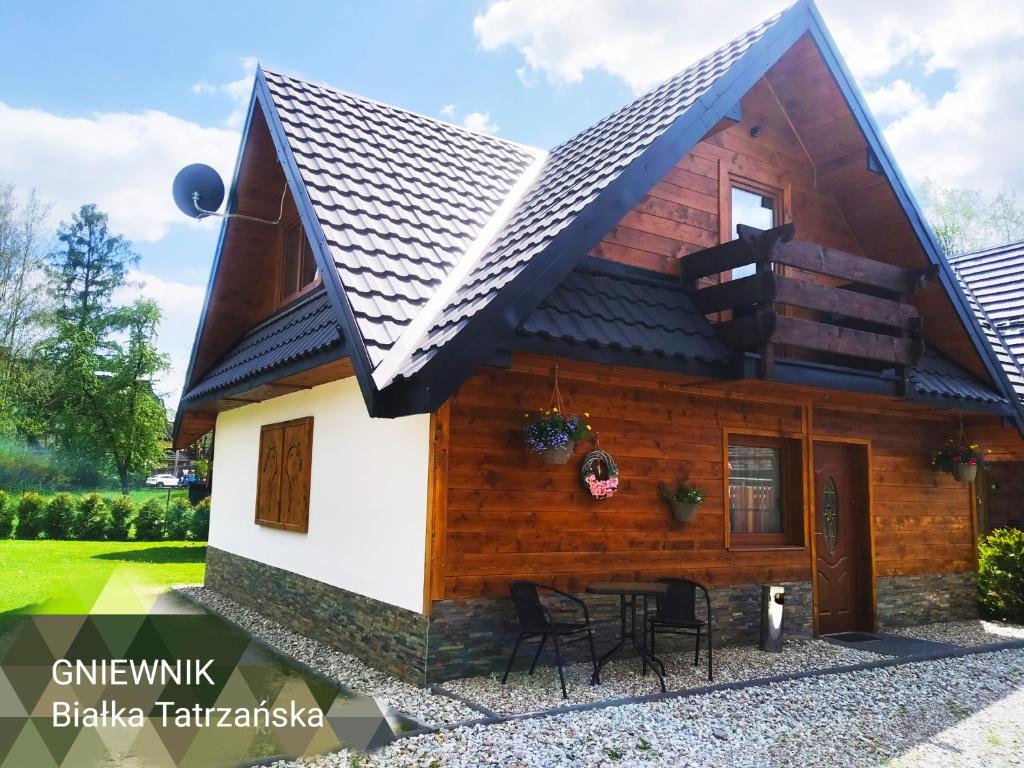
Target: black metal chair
676, 614
537, 621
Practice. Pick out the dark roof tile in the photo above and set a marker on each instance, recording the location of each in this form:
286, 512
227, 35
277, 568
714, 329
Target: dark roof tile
297, 331
625, 311
993, 280
400, 197
574, 173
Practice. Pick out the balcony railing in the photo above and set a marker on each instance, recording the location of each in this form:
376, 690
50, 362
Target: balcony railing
859, 311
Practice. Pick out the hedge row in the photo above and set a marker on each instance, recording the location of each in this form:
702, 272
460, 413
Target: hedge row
1001, 575
92, 518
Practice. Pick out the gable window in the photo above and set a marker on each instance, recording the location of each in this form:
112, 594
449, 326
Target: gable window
299, 264
283, 476
755, 209
765, 491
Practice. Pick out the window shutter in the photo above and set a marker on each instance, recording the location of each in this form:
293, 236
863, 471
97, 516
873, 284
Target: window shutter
283, 478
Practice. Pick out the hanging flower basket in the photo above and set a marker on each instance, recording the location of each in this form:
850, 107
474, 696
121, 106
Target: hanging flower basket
559, 455
600, 475
961, 459
551, 432
552, 435
965, 473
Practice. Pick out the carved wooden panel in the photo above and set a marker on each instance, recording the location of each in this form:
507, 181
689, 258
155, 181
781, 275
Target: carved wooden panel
282, 495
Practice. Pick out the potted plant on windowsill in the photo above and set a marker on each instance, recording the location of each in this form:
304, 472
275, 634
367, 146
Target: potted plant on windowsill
554, 436
684, 501
960, 460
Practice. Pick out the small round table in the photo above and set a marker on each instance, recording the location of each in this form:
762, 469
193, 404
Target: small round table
628, 592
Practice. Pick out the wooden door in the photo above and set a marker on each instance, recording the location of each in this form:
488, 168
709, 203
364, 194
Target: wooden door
841, 538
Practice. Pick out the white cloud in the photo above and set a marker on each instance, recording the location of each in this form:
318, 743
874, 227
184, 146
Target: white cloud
180, 304
969, 136
480, 122
238, 91
448, 110
895, 98
123, 162
639, 41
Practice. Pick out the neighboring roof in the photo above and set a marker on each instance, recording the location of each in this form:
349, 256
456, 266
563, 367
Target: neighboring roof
400, 197
993, 279
938, 376
625, 310
573, 176
298, 331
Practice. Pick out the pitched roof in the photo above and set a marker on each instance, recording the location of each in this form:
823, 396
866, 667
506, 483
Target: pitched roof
296, 332
993, 279
436, 243
399, 197
573, 176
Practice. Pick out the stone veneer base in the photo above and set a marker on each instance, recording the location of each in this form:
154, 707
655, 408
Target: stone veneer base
922, 599
472, 637
386, 636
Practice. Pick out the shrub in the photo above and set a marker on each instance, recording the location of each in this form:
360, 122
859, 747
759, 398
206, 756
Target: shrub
59, 521
94, 521
201, 520
179, 520
1001, 575
122, 510
31, 513
6, 515
149, 522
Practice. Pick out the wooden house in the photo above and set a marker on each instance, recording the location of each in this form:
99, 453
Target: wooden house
729, 275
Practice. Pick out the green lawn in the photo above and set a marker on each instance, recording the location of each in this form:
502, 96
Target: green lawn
99, 576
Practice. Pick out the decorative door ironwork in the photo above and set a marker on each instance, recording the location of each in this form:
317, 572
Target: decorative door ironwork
830, 514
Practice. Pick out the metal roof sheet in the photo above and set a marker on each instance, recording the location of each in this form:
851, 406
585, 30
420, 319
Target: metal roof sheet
993, 280
297, 331
594, 308
938, 376
400, 197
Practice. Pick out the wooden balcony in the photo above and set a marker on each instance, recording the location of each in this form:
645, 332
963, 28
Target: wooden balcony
820, 302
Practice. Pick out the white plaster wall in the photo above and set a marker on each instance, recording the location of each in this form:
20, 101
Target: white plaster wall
368, 494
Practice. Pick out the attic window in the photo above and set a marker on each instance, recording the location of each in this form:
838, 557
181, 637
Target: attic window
299, 264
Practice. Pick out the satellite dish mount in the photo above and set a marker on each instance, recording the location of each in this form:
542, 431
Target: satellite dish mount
198, 192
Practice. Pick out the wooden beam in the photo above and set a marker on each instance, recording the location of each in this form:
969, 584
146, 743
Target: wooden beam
811, 257
736, 293
846, 341
751, 247
748, 331
720, 258
838, 301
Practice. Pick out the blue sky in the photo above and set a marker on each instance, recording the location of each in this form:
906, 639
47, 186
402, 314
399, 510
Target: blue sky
110, 98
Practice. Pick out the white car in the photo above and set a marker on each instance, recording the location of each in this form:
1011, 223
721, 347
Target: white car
164, 481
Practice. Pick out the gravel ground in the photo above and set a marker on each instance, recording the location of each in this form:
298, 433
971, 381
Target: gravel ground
344, 669
526, 694
967, 711
964, 632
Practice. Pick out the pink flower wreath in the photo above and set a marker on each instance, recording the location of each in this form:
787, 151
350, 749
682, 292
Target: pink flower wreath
595, 463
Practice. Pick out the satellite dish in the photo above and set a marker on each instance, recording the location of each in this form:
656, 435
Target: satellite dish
198, 190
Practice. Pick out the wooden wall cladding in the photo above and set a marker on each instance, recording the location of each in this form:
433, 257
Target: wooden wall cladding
812, 149
507, 516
